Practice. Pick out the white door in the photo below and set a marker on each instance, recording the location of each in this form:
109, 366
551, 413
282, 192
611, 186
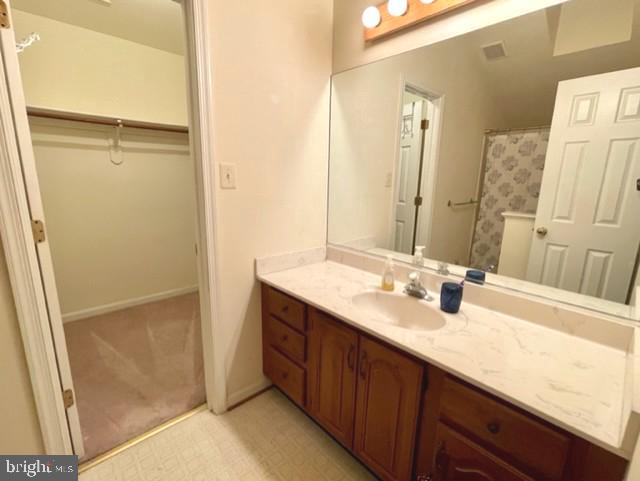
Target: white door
587, 227
16, 97
407, 173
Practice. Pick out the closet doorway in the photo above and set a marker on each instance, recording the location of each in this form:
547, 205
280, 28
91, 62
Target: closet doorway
118, 209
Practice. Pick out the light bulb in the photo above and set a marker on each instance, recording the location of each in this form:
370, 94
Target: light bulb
371, 17
397, 8
427, 2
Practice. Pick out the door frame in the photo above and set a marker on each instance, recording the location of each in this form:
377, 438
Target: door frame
21, 256
429, 161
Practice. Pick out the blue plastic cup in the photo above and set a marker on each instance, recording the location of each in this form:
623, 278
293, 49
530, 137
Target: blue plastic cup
451, 297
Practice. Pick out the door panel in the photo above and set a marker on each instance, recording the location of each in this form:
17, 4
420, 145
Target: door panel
387, 407
332, 377
589, 202
459, 459
407, 173
23, 138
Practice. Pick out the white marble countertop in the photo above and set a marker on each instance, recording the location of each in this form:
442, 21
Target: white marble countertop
577, 384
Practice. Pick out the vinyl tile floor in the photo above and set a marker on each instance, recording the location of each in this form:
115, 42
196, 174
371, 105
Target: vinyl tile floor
267, 438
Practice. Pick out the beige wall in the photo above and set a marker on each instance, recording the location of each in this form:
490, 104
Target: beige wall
271, 66
349, 49
119, 234
94, 73
18, 419
364, 144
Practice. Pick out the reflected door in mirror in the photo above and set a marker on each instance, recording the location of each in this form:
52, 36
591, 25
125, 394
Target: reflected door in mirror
587, 230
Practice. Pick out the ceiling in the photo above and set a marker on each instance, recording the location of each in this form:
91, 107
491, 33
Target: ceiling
524, 83
155, 23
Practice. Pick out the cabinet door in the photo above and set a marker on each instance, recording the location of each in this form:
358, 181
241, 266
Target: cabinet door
332, 375
459, 459
388, 399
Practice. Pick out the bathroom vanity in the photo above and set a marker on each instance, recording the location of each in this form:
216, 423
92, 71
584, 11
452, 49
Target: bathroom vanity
422, 402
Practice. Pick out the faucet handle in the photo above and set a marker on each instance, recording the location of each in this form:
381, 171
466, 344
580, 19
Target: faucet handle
414, 277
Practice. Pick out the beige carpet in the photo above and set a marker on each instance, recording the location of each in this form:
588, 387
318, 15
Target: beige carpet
136, 368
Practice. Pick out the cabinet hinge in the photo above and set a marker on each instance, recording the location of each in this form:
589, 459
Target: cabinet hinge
424, 125
67, 398
4, 15
37, 226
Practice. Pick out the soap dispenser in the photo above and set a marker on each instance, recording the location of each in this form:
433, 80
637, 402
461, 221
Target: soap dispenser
388, 275
418, 256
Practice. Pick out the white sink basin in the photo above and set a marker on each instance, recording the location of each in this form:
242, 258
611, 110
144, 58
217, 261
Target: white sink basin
400, 310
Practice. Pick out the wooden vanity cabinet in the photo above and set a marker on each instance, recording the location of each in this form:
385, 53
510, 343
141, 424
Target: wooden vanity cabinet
387, 409
333, 354
366, 394
284, 343
460, 459
469, 435
406, 420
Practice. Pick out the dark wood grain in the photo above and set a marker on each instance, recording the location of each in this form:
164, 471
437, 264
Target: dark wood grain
333, 350
514, 435
387, 408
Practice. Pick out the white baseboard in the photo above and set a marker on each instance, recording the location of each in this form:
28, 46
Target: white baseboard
244, 394
117, 306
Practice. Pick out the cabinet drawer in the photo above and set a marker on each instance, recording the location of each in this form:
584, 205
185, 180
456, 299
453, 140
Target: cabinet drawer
512, 433
286, 339
285, 374
286, 309
459, 458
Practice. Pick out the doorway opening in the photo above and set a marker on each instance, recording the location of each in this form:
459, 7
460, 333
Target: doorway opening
111, 173
415, 170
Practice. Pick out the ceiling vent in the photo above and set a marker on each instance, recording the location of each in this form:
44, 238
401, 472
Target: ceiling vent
494, 51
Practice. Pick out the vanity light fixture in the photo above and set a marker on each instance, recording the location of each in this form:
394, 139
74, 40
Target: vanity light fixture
371, 17
396, 15
397, 8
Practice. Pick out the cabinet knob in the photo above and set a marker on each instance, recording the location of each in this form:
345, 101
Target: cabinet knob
285, 309
285, 338
285, 375
493, 427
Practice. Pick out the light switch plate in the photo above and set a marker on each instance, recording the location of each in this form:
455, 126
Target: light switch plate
227, 176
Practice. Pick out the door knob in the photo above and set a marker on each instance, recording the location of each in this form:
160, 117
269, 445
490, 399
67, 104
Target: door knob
542, 231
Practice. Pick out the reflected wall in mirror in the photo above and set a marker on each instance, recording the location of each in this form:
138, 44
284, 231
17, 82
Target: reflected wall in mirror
515, 148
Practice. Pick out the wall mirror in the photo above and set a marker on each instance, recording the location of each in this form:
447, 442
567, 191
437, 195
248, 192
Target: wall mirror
513, 149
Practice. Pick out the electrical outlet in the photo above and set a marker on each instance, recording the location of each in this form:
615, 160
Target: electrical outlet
227, 176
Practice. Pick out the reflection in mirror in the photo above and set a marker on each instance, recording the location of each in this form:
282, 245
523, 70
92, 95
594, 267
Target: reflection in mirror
515, 148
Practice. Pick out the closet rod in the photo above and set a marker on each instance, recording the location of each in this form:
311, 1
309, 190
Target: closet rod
516, 129
98, 119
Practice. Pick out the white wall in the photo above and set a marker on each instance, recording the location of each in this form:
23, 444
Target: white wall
271, 65
18, 418
350, 50
80, 70
118, 233
364, 144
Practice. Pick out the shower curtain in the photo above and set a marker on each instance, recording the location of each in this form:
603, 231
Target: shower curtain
513, 166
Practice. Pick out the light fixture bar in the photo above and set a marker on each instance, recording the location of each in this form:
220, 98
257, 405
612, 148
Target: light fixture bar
396, 15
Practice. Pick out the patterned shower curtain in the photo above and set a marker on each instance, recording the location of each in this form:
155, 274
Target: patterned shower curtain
512, 176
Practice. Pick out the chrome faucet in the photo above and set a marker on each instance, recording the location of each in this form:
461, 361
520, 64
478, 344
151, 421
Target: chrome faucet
415, 288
